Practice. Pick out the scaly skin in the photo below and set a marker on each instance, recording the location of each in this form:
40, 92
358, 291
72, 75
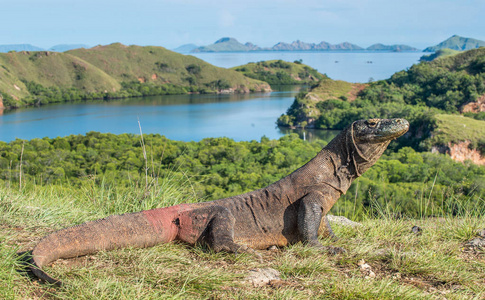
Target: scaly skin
290, 210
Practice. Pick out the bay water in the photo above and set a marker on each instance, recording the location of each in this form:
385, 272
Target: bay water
194, 117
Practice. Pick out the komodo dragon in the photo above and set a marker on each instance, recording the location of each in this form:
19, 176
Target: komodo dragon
290, 210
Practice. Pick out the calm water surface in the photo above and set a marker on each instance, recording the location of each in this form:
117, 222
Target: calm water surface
180, 117
194, 117
353, 66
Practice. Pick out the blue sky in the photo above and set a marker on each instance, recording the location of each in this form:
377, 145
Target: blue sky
171, 23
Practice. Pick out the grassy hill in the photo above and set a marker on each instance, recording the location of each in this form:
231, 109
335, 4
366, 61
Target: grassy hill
328, 89
421, 94
457, 128
396, 48
280, 72
157, 64
50, 70
439, 53
458, 43
111, 71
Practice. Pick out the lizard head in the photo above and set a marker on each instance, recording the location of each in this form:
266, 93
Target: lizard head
371, 137
378, 130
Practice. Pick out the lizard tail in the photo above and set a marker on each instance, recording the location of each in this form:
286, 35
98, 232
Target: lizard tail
139, 230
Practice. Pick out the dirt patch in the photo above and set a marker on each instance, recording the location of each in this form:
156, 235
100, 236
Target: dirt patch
476, 106
354, 92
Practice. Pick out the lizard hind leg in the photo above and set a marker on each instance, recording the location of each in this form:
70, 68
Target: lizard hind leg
220, 232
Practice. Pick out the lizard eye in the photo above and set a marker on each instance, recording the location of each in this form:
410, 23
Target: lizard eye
372, 123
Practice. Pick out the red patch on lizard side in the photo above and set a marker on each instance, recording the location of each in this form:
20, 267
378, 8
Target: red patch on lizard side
163, 220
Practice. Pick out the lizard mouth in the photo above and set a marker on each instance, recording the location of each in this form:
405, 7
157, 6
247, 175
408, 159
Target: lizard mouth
400, 127
391, 129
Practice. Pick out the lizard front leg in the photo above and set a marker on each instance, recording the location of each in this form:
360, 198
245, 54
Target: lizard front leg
310, 214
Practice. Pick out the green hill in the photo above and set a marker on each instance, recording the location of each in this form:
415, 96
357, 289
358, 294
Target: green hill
396, 48
421, 94
111, 71
51, 70
159, 65
280, 72
439, 53
457, 43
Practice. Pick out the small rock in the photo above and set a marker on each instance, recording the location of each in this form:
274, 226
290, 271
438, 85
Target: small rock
366, 269
383, 252
261, 277
371, 275
481, 233
342, 221
416, 230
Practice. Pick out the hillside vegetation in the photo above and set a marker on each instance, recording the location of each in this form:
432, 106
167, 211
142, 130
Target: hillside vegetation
427, 89
221, 167
111, 71
278, 72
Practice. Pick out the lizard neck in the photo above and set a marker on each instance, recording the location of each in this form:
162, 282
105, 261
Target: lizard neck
340, 162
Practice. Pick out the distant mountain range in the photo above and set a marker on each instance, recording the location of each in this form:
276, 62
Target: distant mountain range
228, 44
67, 47
29, 47
186, 48
19, 47
457, 43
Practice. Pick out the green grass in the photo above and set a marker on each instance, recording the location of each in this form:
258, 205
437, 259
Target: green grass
335, 89
51, 69
439, 54
432, 265
457, 128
